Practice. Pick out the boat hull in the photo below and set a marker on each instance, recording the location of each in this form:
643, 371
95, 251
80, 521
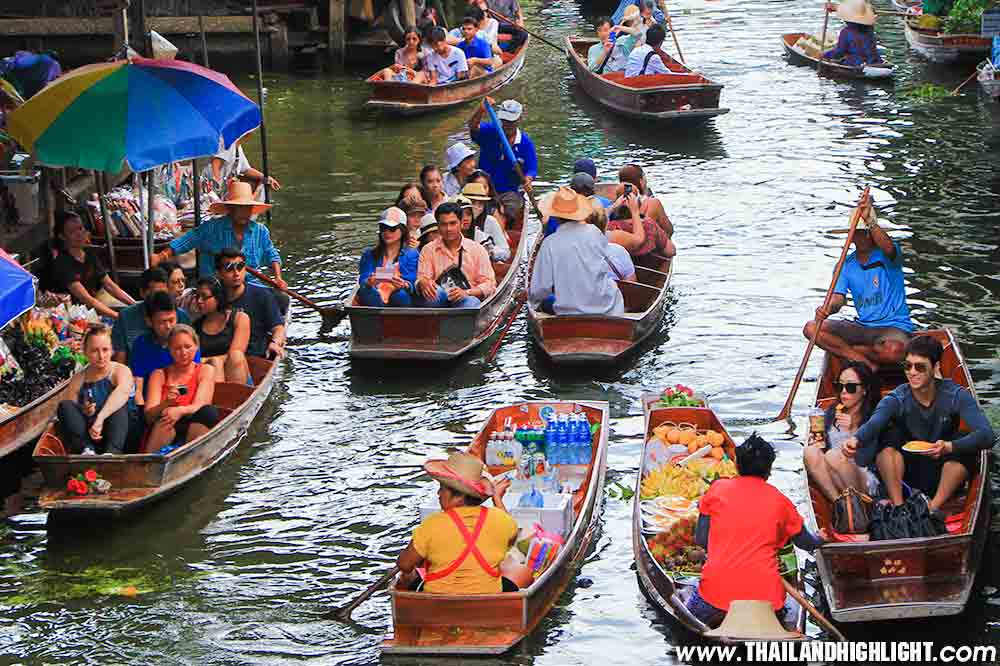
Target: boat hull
946, 49
798, 56
682, 97
28, 423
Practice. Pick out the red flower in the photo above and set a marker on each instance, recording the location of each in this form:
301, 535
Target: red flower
90, 475
71, 485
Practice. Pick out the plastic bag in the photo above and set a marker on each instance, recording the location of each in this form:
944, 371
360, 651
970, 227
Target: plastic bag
542, 550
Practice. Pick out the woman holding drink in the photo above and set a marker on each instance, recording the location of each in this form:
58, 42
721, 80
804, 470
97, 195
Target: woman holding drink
829, 468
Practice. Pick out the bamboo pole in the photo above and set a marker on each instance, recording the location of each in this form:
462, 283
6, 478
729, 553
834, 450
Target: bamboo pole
204, 41
260, 101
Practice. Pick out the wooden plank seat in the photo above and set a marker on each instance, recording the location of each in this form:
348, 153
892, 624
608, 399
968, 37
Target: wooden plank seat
638, 297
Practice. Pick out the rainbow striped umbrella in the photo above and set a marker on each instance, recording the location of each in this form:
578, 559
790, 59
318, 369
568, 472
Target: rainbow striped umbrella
139, 111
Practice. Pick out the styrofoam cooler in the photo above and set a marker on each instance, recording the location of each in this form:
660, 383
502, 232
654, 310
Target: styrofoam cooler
555, 516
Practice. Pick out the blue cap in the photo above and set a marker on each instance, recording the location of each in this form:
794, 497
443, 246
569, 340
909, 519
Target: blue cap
585, 165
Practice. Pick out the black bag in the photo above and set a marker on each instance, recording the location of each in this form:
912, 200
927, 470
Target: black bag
453, 277
911, 520
852, 512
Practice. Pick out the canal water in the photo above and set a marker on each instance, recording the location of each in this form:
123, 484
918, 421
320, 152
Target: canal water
240, 567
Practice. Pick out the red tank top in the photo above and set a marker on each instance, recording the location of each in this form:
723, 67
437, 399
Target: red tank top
192, 388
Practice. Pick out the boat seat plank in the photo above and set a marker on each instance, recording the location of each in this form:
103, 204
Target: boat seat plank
638, 297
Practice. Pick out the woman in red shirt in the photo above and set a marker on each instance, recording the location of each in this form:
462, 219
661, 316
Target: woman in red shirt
744, 522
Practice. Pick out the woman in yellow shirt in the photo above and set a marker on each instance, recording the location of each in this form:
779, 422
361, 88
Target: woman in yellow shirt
462, 548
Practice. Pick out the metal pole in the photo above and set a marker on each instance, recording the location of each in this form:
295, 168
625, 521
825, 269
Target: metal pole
197, 206
149, 218
260, 101
204, 42
102, 190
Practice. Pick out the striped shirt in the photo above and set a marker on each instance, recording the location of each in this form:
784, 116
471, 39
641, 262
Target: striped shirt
213, 236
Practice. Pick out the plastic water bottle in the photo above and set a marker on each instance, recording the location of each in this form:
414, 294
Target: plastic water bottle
585, 440
563, 440
491, 451
575, 440
550, 440
533, 499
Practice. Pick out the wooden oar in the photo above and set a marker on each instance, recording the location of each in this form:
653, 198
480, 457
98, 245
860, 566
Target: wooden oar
822, 39
344, 614
521, 298
506, 19
677, 45
855, 217
823, 622
332, 315
962, 85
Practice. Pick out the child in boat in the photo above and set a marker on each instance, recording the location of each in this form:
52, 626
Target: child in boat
856, 43
744, 522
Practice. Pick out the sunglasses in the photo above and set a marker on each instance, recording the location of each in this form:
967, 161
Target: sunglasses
851, 387
922, 368
383, 228
234, 266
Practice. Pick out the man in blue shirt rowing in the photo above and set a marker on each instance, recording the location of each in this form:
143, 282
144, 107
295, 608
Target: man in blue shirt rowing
873, 274
493, 159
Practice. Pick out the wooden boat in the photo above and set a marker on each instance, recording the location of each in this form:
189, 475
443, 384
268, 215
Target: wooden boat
667, 591
942, 48
139, 480
407, 98
434, 334
681, 96
905, 578
490, 624
24, 426
800, 56
988, 79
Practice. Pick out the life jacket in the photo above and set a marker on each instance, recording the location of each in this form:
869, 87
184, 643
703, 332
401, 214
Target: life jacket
470, 547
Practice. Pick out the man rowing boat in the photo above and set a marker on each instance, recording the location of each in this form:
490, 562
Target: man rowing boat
873, 274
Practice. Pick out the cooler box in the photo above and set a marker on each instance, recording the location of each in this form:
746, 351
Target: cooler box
556, 516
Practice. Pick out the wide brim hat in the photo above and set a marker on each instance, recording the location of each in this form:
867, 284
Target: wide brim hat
856, 11
882, 222
752, 620
457, 153
476, 192
566, 204
462, 472
238, 194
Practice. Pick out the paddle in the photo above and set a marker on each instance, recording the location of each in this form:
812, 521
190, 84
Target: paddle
331, 315
521, 298
823, 622
863, 203
670, 24
506, 19
822, 39
344, 614
962, 85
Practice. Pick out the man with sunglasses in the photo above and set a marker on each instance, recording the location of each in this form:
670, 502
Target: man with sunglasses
929, 409
267, 327
873, 274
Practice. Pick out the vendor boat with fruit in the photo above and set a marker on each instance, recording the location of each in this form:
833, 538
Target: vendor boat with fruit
686, 448
924, 35
889, 579
484, 624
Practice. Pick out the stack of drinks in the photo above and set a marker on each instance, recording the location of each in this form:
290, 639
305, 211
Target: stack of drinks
564, 439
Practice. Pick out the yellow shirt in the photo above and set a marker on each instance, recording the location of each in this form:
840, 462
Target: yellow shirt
439, 542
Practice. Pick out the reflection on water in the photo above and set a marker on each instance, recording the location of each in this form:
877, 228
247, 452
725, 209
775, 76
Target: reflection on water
241, 567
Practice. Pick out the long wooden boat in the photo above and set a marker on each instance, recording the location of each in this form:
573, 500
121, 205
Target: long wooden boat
138, 480
800, 56
989, 80
942, 48
24, 426
490, 624
664, 589
681, 96
434, 334
406, 98
905, 578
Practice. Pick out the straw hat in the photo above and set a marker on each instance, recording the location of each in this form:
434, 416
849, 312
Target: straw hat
631, 14
856, 11
238, 194
428, 224
462, 472
461, 200
566, 204
871, 219
476, 192
753, 620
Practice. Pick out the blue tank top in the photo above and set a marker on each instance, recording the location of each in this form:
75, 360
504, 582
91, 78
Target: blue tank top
97, 392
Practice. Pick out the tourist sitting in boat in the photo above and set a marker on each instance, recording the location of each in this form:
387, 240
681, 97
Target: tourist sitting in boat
445, 63
488, 26
76, 270
625, 221
830, 469
627, 37
515, 30
428, 231
649, 58
464, 547
493, 157
743, 523
454, 271
98, 419
409, 65
267, 326
618, 257
178, 289
485, 228
873, 274
493, 205
149, 351
461, 162
583, 184
478, 52
133, 320
571, 274
856, 43
482, 30
392, 253
409, 193
606, 55
415, 211
587, 166
234, 228
926, 409
649, 205
179, 405
432, 187
224, 333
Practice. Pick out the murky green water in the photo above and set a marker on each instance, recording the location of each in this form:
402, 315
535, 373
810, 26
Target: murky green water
238, 568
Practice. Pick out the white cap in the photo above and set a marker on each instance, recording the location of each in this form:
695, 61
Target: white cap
457, 153
510, 110
392, 217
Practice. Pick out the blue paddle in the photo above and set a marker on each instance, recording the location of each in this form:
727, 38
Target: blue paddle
513, 160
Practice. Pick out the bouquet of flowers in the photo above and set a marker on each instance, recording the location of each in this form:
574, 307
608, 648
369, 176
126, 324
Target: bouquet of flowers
679, 396
88, 483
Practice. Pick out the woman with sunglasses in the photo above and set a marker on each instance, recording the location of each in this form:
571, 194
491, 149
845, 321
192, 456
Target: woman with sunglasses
826, 462
388, 271
224, 333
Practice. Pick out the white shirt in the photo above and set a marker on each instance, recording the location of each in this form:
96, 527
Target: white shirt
638, 57
621, 260
449, 66
487, 34
496, 240
451, 186
571, 264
